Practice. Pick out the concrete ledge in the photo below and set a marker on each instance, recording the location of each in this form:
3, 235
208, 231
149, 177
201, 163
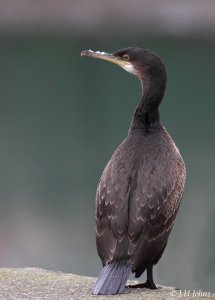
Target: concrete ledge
34, 283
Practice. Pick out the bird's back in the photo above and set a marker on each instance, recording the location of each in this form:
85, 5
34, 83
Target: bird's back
138, 197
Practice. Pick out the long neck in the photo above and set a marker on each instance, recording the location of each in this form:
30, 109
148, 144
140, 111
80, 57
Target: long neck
146, 114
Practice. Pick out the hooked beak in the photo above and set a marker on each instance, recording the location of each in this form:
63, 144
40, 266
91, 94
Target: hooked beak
105, 56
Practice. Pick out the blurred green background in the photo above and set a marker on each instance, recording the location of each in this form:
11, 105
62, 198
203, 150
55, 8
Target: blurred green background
62, 116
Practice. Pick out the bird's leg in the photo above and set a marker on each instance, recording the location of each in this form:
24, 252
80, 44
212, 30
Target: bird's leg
150, 281
149, 284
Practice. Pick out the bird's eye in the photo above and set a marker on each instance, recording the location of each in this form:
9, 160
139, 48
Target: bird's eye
126, 57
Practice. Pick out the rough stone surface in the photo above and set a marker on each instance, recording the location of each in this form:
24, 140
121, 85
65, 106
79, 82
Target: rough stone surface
34, 283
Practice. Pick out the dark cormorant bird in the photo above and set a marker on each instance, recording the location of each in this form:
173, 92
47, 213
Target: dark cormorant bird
141, 187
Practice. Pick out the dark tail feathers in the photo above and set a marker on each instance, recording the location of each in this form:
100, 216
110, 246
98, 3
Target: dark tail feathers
112, 279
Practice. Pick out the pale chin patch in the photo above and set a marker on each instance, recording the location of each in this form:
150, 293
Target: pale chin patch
129, 68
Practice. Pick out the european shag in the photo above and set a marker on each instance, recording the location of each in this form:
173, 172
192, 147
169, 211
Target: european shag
140, 190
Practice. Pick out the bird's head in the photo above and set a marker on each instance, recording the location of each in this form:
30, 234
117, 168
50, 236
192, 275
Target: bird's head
138, 61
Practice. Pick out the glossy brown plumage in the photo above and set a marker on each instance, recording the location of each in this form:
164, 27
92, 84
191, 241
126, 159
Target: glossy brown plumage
138, 197
141, 187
